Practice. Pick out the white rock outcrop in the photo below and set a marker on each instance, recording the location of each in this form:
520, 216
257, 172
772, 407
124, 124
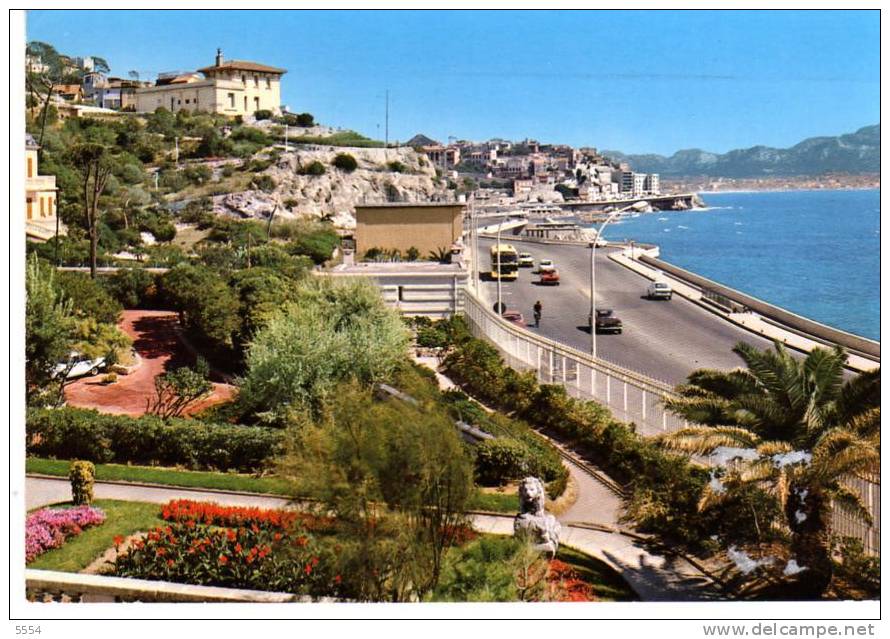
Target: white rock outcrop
336, 193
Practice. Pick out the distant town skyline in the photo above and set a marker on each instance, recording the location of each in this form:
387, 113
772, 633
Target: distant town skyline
634, 81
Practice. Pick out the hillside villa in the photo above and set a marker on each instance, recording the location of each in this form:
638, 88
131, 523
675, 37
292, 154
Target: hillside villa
229, 87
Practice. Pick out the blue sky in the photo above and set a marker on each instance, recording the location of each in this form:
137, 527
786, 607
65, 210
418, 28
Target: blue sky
635, 81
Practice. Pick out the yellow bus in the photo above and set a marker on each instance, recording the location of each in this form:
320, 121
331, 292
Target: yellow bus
504, 262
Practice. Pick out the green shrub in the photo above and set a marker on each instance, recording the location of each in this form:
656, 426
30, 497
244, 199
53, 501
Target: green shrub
264, 183
252, 135
262, 114
78, 433
132, 287
82, 475
345, 162
397, 167
500, 460
302, 119
313, 168
857, 568
197, 173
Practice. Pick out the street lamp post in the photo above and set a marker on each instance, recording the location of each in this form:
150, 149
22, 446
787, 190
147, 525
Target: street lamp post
498, 251
612, 216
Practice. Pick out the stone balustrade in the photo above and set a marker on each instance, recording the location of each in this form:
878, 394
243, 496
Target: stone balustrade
53, 586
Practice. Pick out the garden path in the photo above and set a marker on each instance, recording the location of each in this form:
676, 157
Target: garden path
160, 348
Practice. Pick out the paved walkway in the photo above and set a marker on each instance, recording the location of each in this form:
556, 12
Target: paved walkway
651, 576
156, 341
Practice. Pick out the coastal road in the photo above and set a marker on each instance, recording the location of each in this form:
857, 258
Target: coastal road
665, 340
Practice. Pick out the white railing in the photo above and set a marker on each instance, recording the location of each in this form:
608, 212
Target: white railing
630, 396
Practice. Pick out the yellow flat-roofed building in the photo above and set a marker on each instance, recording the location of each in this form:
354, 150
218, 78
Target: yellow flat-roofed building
428, 227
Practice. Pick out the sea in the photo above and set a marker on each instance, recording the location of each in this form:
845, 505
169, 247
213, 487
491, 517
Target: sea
816, 253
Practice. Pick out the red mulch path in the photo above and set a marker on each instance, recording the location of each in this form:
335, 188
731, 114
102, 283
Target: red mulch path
156, 342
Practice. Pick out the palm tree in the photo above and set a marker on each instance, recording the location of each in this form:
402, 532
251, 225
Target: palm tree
808, 428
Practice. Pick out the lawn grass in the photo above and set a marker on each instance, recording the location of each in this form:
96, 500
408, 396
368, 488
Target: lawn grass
166, 476
495, 502
608, 585
122, 518
223, 481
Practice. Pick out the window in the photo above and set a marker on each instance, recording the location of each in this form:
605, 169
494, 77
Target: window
42, 212
186, 100
29, 202
243, 79
256, 81
231, 100
256, 104
268, 82
30, 167
51, 203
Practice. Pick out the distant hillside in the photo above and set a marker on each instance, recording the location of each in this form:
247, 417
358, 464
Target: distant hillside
858, 152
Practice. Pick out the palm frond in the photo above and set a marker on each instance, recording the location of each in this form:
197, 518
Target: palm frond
771, 448
766, 366
862, 391
725, 384
711, 497
850, 502
701, 410
867, 423
701, 440
840, 452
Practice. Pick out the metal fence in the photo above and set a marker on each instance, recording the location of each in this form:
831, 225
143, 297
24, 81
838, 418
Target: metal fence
631, 397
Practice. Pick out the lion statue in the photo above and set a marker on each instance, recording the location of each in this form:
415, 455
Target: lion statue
533, 522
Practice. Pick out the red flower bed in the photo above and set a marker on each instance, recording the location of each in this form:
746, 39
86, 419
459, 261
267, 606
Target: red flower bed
565, 584
243, 557
211, 514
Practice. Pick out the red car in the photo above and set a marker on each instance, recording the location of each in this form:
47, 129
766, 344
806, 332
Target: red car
515, 317
549, 276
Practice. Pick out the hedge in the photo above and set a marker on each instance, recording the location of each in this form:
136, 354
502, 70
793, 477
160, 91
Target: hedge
76, 433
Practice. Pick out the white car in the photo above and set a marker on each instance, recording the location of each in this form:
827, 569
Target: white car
79, 365
659, 291
544, 265
526, 259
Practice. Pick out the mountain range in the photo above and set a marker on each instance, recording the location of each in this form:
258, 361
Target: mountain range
852, 153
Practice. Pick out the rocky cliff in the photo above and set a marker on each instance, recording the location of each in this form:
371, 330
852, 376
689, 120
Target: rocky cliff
335, 193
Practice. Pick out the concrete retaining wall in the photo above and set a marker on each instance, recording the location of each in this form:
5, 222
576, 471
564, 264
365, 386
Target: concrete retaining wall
767, 310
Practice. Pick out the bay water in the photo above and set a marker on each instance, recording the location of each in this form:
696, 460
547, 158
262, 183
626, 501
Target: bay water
815, 253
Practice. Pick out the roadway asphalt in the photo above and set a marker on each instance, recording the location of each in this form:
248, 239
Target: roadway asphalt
665, 340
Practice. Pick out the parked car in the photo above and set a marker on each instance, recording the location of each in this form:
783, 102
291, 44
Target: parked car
526, 259
606, 321
549, 275
79, 365
543, 264
659, 291
514, 317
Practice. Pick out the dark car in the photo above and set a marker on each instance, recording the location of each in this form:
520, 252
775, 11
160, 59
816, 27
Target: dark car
606, 321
